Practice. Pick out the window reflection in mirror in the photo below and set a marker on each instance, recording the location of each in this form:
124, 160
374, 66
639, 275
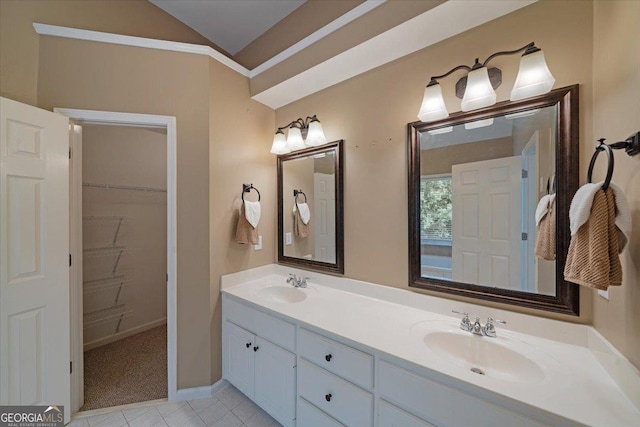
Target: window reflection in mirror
480, 183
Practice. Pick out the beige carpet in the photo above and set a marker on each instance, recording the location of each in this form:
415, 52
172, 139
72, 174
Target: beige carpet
131, 370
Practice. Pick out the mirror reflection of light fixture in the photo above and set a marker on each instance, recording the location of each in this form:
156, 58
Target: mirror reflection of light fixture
477, 88
302, 133
478, 124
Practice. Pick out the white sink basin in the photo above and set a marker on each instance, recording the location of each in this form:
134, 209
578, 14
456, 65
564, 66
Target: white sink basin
282, 294
486, 356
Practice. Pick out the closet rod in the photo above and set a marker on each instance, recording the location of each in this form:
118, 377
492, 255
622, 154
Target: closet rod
124, 187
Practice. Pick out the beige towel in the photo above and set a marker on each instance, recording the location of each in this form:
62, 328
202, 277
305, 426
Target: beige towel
245, 233
300, 229
546, 236
593, 253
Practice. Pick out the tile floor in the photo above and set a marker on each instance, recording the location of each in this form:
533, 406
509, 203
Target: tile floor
227, 408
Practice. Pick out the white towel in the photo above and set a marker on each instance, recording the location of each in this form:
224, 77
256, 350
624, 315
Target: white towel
252, 212
543, 207
305, 213
581, 209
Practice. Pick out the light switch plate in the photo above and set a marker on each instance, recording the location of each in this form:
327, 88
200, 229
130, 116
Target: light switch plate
287, 238
604, 294
258, 247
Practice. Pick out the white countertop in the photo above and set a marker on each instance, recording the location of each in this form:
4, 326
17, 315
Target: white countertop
575, 385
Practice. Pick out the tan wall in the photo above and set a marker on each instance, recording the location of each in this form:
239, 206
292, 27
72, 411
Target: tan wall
440, 160
126, 79
135, 157
371, 112
240, 132
616, 115
19, 43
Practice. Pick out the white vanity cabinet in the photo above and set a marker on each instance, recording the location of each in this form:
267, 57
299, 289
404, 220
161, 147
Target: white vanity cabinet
262, 370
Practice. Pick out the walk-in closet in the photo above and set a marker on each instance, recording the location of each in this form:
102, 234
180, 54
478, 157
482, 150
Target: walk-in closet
124, 264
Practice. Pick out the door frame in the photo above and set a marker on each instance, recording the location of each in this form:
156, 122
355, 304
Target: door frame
109, 118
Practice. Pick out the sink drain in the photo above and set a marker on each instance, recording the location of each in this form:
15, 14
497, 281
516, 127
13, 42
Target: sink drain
477, 371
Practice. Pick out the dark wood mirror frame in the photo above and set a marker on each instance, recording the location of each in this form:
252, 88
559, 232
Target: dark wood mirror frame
338, 266
566, 299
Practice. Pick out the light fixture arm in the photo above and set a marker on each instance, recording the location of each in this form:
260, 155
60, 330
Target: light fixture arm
529, 48
299, 123
448, 73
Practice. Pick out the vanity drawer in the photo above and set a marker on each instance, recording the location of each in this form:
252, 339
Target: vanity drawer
343, 360
440, 404
309, 415
271, 328
346, 402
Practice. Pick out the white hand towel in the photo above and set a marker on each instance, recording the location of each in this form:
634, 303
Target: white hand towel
581, 208
543, 207
305, 212
252, 212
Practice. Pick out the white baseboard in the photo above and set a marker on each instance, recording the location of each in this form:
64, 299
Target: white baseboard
124, 334
200, 392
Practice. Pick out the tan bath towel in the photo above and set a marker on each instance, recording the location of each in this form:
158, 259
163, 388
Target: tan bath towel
546, 222
593, 259
245, 232
300, 229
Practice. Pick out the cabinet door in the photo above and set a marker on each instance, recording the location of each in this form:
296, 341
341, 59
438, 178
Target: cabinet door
276, 381
390, 416
240, 358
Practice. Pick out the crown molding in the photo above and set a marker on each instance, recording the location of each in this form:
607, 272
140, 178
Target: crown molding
97, 36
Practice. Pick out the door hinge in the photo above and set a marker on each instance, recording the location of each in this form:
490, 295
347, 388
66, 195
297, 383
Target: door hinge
69, 260
525, 173
167, 277
69, 153
525, 236
71, 367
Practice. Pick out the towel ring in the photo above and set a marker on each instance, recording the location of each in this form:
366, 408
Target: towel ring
247, 188
296, 193
599, 148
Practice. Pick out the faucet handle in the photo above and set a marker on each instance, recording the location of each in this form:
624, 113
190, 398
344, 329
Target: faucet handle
303, 281
489, 329
465, 323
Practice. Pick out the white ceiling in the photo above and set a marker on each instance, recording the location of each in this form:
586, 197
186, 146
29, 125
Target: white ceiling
230, 24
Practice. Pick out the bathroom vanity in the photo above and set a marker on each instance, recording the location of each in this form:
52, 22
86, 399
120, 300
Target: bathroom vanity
346, 353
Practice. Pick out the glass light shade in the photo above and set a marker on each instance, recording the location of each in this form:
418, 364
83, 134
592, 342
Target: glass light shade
294, 139
315, 136
279, 145
534, 77
432, 107
479, 92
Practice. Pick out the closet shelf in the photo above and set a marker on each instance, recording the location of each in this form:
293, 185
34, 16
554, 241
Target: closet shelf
124, 187
108, 250
106, 315
107, 219
106, 283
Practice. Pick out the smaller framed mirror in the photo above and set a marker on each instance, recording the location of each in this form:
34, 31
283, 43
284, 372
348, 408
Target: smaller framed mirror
310, 208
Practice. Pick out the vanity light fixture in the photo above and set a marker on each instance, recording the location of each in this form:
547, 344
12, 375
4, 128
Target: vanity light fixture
302, 133
477, 88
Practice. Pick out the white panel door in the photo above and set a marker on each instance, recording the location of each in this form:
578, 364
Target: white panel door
276, 381
34, 266
240, 358
324, 189
486, 242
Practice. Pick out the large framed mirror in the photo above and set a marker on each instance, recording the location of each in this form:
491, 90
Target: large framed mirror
310, 208
475, 180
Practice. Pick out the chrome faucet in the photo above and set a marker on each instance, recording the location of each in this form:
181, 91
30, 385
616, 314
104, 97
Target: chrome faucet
297, 282
476, 328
